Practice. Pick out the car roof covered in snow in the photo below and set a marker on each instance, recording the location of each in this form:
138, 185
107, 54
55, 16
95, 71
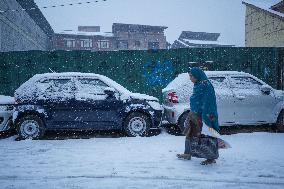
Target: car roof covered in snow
26, 90
216, 73
225, 73
181, 78
29, 85
67, 74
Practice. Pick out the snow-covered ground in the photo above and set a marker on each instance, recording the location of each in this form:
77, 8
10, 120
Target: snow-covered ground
256, 160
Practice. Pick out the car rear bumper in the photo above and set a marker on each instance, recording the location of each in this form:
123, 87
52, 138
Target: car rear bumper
170, 114
157, 118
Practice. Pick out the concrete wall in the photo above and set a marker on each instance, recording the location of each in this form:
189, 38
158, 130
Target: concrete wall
263, 29
18, 32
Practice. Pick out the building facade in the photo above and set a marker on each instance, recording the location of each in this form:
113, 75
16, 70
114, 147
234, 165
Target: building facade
93, 41
122, 37
139, 37
264, 25
190, 39
23, 29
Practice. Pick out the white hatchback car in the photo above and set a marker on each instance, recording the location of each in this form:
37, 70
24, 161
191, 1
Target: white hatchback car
6, 112
242, 99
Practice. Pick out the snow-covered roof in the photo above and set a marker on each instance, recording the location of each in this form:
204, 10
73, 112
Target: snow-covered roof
203, 42
199, 43
265, 5
71, 32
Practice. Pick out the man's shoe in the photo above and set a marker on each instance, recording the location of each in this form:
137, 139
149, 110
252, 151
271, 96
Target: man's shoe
184, 156
208, 162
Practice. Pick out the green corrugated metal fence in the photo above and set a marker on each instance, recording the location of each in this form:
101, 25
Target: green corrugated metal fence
140, 71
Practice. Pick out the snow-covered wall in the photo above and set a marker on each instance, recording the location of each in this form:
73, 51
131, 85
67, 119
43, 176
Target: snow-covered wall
18, 31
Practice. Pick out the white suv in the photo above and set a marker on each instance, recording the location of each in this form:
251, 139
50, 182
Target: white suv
6, 112
242, 99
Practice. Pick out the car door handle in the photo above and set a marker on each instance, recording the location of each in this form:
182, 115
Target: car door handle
240, 97
81, 98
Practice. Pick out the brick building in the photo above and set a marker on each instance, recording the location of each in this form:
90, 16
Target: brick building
264, 24
84, 39
190, 39
24, 29
122, 37
139, 37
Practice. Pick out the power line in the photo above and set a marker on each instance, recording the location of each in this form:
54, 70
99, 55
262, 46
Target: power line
51, 6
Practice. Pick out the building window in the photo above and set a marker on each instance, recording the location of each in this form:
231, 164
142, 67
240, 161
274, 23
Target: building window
70, 43
87, 43
122, 45
153, 45
103, 44
137, 43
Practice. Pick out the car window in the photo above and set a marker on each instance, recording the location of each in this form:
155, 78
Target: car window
245, 83
91, 86
218, 82
55, 89
56, 85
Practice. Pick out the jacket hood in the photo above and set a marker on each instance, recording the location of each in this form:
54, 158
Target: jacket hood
198, 74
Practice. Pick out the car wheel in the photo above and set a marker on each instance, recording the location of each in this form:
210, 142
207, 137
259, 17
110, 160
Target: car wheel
137, 124
280, 122
182, 121
30, 127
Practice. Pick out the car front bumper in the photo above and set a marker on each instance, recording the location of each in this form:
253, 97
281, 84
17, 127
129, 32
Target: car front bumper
5, 120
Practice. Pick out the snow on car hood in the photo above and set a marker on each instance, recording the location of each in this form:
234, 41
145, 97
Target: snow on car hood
6, 100
279, 94
143, 97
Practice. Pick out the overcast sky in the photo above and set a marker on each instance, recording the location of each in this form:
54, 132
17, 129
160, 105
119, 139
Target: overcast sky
224, 16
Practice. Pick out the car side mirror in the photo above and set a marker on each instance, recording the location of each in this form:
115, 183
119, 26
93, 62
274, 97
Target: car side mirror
109, 91
265, 89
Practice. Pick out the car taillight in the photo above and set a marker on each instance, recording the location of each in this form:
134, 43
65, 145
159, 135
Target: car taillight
172, 97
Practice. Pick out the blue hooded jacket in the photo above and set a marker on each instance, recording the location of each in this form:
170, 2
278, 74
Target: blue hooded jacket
203, 99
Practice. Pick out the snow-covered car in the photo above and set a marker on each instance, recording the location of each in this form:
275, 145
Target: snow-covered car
242, 99
82, 101
6, 112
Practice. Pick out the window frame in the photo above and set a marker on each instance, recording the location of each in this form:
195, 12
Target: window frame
60, 78
89, 78
226, 81
101, 42
73, 42
83, 43
261, 83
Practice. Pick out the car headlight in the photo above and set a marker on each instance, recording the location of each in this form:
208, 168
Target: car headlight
155, 105
3, 108
6, 108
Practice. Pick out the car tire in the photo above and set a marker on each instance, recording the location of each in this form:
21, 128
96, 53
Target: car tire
280, 122
137, 124
30, 127
182, 121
